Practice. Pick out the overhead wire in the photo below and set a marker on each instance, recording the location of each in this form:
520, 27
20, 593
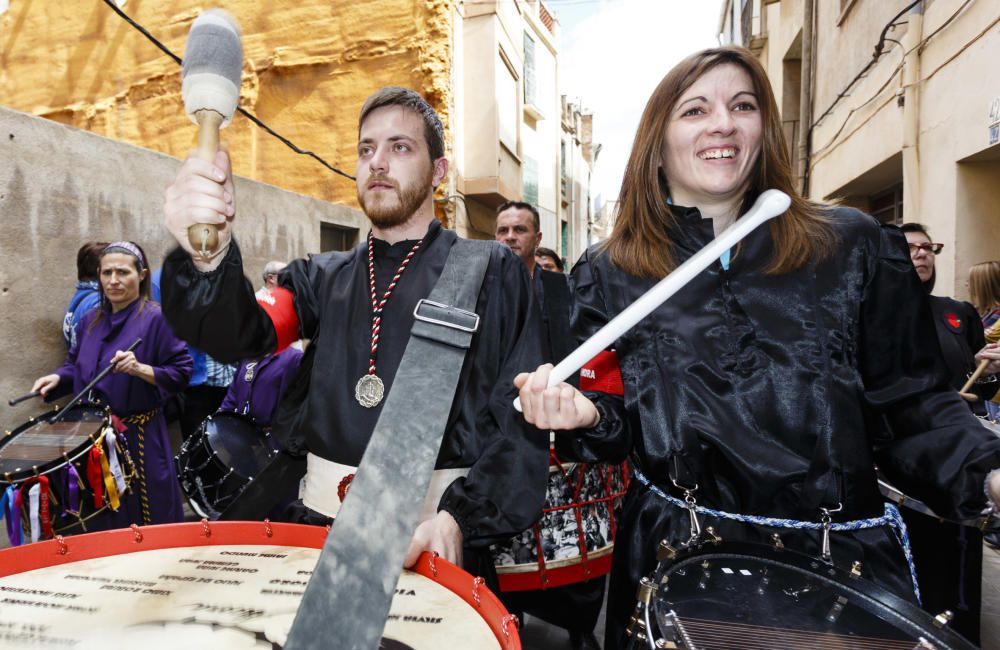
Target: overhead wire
245, 113
879, 49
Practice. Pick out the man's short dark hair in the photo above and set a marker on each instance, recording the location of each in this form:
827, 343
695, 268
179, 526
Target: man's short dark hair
88, 258
915, 227
399, 96
521, 205
542, 251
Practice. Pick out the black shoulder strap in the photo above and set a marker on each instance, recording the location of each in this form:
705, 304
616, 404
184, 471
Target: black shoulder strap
392, 475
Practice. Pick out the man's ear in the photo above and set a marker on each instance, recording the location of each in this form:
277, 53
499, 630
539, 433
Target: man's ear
440, 171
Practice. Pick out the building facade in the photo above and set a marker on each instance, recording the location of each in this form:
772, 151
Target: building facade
490, 68
901, 102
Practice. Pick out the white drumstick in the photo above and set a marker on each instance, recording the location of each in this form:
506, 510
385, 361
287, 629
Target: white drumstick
768, 205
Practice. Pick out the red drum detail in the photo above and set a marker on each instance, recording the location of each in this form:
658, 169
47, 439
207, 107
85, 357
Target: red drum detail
573, 540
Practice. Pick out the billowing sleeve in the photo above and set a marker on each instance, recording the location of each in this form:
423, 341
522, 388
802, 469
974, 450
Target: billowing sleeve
600, 379
218, 312
934, 448
505, 488
172, 365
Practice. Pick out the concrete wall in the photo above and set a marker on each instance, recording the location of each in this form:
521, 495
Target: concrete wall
60, 187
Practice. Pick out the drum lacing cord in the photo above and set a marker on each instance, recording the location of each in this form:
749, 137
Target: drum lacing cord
140, 420
891, 518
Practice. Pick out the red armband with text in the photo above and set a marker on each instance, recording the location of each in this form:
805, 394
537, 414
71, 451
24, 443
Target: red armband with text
280, 308
602, 374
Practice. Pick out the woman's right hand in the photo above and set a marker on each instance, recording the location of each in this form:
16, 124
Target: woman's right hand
44, 384
559, 408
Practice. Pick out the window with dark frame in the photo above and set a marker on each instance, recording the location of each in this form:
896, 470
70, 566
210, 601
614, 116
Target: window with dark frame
336, 238
887, 205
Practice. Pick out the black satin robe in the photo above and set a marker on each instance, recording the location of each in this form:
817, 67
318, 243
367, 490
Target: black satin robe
504, 491
777, 395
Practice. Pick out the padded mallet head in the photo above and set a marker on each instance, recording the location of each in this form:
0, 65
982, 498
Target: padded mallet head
213, 61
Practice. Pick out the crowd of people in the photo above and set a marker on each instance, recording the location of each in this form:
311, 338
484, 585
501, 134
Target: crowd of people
771, 386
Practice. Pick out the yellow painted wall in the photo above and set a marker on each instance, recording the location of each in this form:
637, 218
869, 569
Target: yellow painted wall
308, 66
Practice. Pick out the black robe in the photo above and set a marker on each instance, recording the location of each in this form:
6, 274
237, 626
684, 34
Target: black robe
504, 490
776, 395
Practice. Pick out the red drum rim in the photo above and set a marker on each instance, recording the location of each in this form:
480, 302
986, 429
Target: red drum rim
64, 550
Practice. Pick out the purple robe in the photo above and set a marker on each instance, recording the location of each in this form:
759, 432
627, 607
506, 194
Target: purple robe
259, 384
128, 396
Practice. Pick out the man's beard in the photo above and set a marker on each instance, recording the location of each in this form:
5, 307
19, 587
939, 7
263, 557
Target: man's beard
383, 212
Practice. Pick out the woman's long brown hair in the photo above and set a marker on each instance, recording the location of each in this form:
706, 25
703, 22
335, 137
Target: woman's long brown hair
984, 286
640, 244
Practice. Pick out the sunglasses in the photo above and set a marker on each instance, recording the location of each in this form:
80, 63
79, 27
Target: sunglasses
926, 247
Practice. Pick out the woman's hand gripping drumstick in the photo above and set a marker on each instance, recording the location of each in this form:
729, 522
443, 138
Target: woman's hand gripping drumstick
550, 403
989, 364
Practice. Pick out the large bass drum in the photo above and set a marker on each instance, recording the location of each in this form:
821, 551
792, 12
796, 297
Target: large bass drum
741, 595
219, 585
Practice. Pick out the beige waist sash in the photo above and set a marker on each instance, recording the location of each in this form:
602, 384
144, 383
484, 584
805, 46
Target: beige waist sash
326, 484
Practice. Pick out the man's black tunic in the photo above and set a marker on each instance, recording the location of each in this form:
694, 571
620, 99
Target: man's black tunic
504, 490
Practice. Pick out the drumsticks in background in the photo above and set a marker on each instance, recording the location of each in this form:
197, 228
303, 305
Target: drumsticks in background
972, 379
18, 400
93, 382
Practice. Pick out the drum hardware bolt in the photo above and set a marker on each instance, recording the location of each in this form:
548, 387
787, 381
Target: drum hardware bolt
711, 537
433, 562
836, 610
6, 433
645, 592
776, 542
924, 643
476, 584
267, 528
944, 618
137, 533
205, 528
856, 569
665, 552
63, 549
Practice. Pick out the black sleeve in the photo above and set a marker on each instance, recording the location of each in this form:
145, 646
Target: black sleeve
218, 312
215, 311
610, 440
935, 450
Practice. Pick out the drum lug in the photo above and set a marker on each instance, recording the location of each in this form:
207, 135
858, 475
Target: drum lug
856, 569
433, 562
665, 551
205, 528
136, 533
267, 528
944, 618
508, 621
63, 548
776, 542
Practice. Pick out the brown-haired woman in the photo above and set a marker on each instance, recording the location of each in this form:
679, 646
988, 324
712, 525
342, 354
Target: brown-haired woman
755, 387
142, 380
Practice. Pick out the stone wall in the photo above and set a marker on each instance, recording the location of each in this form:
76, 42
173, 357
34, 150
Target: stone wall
60, 187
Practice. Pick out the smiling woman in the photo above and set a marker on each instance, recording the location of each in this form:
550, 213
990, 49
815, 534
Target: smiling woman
771, 383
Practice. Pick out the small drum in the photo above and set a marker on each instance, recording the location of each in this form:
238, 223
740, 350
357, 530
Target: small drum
219, 585
217, 462
574, 538
72, 460
748, 595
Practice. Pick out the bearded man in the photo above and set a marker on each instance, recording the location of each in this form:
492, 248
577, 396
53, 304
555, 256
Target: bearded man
358, 309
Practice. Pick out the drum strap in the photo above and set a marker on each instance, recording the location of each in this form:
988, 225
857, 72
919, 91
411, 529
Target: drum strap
393, 478
891, 518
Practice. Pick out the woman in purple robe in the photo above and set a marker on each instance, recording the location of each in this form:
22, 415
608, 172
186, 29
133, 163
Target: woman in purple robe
142, 380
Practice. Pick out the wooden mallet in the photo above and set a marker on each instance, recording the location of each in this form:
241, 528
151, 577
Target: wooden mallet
972, 379
213, 61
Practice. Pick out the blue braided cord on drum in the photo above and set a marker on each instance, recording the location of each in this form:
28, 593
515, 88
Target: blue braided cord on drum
891, 518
